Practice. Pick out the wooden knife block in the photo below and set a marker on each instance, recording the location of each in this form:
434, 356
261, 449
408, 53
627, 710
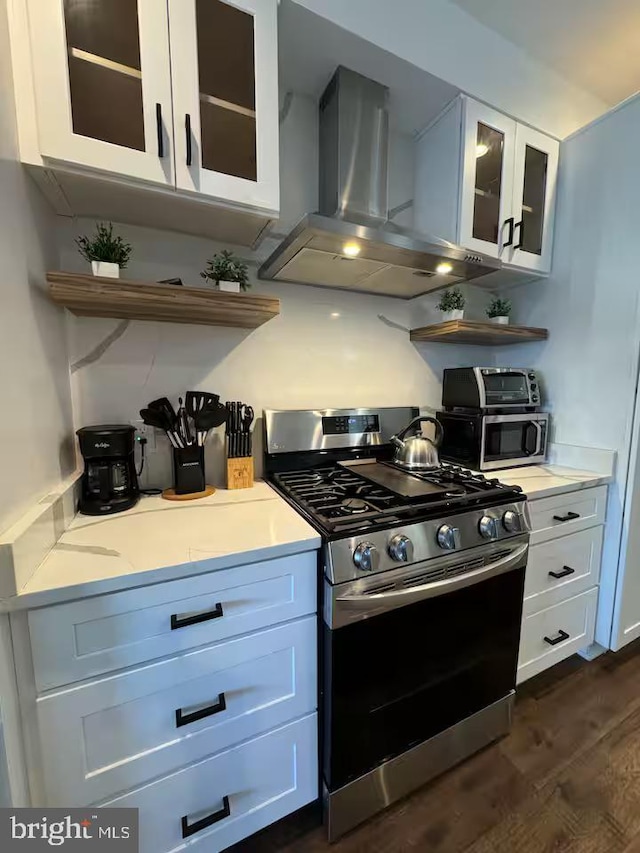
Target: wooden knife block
240, 472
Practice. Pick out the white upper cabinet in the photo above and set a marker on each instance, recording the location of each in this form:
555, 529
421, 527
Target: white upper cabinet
487, 178
534, 193
487, 182
180, 93
225, 96
102, 80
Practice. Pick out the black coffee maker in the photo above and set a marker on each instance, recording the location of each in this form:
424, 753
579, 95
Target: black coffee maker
109, 482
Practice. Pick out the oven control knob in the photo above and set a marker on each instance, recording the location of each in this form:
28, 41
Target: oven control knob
366, 557
488, 527
448, 537
511, 521
401, 549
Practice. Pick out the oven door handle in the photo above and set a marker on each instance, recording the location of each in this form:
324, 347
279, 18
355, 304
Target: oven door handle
398, 598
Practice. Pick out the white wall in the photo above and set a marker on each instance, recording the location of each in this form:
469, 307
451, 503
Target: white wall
327, 348
447, 42
591, 306
35, 446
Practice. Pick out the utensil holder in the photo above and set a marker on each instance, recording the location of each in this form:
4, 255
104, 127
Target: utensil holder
188, 470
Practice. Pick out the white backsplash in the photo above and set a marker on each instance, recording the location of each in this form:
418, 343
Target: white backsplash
326, 349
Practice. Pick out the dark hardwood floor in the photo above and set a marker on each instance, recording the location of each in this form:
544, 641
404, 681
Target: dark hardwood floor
566, 779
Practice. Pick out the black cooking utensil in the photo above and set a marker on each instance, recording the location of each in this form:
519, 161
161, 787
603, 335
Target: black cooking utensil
160, 420
197, 401
245, 423
183, 425
209, 419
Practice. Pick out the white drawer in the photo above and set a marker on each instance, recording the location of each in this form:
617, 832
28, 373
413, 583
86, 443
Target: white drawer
262, 780
561, 568
567, 513
116, 733
74, 641
575, 617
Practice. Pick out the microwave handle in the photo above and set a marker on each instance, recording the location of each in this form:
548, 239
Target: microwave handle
538, 448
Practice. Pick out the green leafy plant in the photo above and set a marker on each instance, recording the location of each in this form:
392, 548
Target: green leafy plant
105, 246
224, 266
451, 300
499, 307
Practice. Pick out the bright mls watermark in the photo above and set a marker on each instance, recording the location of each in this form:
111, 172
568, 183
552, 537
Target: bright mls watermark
37, 830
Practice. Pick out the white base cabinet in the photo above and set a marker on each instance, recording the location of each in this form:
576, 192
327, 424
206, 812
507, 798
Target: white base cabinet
563, 574
227, 797
193, 700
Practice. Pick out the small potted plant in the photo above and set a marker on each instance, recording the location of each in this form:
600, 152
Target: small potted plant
499, 310
107, 252
228, 272
452, 304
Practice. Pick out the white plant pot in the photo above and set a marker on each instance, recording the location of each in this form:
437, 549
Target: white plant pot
106, 269
501, 321
229, 286
456, 314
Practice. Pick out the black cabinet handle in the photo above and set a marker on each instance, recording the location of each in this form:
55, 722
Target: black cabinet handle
566, 571
191, 828
520, 242
510, 222
187, 128
570, 516
185, 719
159, 129
562, 635
176, 622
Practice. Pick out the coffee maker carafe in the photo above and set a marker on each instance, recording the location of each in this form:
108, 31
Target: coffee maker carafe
109, 482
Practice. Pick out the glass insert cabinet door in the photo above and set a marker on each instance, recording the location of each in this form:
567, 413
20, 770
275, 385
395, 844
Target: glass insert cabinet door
225, 86
487, 186
103, 85
534, 189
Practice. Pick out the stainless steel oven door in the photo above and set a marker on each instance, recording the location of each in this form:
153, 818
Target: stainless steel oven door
413, 652
508, 440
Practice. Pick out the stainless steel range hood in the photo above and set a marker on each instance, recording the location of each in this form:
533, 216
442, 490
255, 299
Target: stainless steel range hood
350, 243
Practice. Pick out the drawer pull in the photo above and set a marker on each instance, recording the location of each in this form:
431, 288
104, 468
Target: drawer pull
191, 828
570, 516
566, 571
184, 719
176, 622
562, 635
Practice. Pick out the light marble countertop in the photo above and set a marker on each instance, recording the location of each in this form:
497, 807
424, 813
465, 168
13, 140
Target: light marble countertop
542, 481
162, 540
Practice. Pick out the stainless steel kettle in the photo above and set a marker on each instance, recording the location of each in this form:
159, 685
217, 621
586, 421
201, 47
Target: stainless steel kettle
418, 453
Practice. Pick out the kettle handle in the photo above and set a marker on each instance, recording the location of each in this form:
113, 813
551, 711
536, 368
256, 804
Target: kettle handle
437, 441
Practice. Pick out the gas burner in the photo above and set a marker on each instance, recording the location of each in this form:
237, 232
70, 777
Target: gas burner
354, 506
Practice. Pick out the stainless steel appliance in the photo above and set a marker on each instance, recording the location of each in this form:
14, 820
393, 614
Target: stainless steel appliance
417, 452
109, 482
490, 442
422, 577
350, 243
490, 388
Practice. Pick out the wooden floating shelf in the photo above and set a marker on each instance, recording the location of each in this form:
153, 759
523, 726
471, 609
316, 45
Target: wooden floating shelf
96, 296
472, 332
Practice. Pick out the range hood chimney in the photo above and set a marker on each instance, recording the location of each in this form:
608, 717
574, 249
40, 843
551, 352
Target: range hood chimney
349, 243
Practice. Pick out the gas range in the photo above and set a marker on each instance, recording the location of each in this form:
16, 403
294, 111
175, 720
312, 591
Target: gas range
375, 516
422, 589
